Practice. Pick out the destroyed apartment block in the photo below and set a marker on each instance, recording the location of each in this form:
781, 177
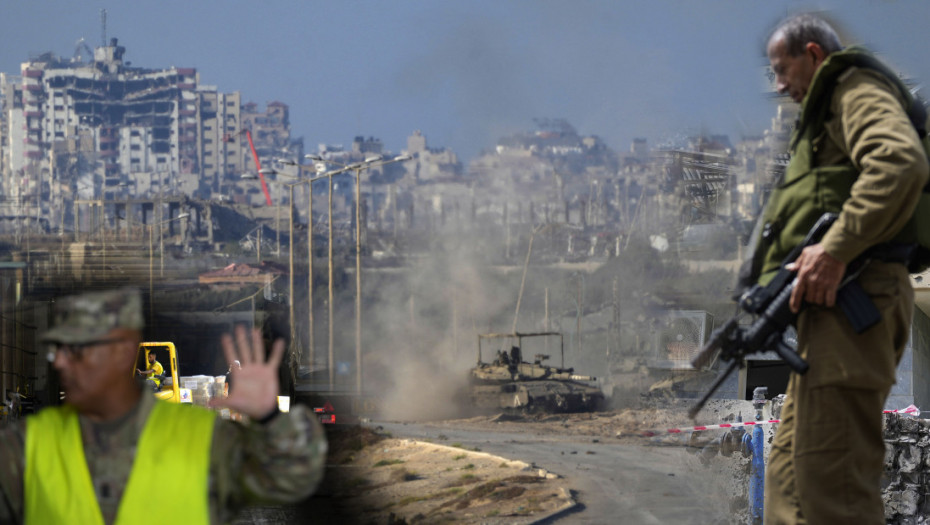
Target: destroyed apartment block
103, 129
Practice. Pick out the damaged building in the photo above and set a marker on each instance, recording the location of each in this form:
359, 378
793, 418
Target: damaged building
103, 129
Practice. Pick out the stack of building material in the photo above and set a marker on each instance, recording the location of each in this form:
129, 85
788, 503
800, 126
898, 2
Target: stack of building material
219, 387
201, 388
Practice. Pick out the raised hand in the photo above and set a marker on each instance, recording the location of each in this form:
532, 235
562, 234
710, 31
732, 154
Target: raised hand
255, 384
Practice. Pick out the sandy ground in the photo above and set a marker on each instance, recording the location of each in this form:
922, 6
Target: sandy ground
376, 478
380, 479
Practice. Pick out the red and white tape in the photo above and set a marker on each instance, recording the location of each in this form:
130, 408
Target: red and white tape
911, 411
650, 433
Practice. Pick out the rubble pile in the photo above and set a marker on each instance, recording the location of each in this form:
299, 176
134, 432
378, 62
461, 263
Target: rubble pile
907, 470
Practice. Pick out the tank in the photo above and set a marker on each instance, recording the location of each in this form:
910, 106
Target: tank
509, 383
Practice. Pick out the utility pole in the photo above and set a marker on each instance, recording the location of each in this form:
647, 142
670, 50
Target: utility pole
290, 291
358, 279
331, 309
312, 356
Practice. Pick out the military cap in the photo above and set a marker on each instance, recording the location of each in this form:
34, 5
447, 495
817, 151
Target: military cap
79, 319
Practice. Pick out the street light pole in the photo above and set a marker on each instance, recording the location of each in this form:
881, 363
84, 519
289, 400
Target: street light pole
358, 279
295, 352
290, 273
310, 335
358, 167
312, 356
331, 352
330, 302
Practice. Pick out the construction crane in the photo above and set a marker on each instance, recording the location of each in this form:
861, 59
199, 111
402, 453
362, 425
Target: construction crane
258, 166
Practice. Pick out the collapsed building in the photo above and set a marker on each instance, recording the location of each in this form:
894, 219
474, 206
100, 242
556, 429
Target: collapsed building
103, 129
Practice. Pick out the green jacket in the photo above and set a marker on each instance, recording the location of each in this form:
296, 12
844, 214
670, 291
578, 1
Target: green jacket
854, 152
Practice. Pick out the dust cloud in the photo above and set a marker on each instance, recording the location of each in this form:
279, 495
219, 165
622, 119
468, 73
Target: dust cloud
422, 331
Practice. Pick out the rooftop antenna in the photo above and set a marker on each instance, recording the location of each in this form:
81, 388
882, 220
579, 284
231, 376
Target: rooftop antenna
103, 28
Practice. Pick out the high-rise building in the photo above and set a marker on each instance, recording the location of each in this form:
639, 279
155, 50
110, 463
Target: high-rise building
103, 129
271, 132
224, 151
97, 128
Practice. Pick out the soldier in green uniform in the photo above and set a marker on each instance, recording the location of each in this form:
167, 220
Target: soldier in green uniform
99, 458
855, 152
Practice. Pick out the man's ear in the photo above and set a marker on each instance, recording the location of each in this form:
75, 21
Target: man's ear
816, 52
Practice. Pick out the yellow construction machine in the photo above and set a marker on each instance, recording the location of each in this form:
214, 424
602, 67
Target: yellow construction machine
169, 389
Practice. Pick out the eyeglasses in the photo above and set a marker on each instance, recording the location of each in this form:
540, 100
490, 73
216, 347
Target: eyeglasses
75, 351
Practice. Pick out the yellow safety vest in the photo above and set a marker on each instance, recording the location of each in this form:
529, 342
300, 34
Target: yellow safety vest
172, 460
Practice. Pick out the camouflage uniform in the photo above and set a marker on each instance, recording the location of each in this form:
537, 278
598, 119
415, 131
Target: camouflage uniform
281, 460
825, 463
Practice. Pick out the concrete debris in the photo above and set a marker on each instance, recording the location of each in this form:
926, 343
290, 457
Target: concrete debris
907, 470
901, 503
909, 458
905, 483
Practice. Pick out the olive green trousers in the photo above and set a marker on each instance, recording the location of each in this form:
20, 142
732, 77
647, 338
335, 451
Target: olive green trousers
826, 461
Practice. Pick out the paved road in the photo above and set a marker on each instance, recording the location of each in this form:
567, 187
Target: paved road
616, 482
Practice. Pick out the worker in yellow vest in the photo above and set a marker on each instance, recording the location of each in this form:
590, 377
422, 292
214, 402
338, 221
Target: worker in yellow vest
153, 373
97, 459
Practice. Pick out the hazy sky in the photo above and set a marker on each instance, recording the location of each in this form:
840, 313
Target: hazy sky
468, 72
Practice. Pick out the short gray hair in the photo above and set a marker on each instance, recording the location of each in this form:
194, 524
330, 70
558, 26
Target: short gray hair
798, 30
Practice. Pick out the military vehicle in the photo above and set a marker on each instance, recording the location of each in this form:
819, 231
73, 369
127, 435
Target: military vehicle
510, 384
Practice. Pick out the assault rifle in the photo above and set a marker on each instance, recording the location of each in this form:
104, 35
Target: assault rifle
769, 305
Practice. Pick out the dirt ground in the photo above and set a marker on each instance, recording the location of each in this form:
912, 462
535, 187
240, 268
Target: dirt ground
375, 478
385, 480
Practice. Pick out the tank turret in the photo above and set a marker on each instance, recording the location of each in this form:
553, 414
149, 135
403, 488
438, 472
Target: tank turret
511, 384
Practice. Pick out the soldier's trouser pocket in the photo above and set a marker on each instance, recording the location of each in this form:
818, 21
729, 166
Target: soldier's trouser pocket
827, 467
